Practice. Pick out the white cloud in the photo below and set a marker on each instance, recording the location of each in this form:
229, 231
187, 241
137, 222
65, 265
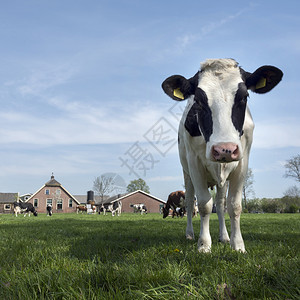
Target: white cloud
43, 76
165, 178
279, 133
78, 125
270, 167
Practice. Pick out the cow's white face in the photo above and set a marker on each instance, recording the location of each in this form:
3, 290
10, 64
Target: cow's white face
219, 94
220, 90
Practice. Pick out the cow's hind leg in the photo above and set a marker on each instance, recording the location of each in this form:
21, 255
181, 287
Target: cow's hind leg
220, 203
189, 204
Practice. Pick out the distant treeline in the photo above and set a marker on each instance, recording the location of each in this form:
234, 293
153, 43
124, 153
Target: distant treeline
285, 204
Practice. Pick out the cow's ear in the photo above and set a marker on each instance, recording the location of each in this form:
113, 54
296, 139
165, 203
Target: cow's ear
178, 87
263, 79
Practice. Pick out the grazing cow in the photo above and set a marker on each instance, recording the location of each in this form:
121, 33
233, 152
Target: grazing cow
178, 211
81, 208
215, 137
24, 207
140, 208
114, 208
49, 210
17, 210
175, 200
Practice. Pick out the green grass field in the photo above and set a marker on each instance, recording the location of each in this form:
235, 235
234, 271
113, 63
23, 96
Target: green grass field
145, 257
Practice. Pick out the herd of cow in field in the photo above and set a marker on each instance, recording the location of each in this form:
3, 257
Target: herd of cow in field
214, 139
175, 203
114, 208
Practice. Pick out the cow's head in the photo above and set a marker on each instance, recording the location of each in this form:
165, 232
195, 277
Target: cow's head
165, 212
219, 92
35, 213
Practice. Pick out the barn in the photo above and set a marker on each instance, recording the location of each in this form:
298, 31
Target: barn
6, 202
152, 203
53, 193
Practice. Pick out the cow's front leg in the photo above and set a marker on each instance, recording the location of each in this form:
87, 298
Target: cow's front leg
189, 206
234, 206
220, 204
205, 208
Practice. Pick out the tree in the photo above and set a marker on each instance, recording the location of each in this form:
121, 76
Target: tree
103, 185
293, 168
291, 199
292, 192
248, 186
138, 184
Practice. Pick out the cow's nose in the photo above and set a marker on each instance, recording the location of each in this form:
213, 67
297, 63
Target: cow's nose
225, 152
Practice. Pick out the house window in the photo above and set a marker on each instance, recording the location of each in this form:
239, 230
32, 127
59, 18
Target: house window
35, 202
49, 202
47, 192
70, 203
7, 207
59, 204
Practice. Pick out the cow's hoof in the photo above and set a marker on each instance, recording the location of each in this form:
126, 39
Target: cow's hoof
224, 240
204, 249
189, 237
239, 248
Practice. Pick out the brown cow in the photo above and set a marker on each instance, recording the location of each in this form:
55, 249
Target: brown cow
81, 208
176, 203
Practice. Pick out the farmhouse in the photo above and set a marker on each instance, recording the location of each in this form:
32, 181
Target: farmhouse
53, 193
152, 203
6, 202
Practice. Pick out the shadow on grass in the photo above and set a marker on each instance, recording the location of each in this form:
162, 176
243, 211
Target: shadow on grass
111, 240
84, 237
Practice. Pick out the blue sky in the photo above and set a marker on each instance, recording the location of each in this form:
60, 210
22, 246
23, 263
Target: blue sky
81, 87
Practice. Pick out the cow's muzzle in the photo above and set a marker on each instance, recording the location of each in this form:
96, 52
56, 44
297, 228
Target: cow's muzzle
225, 152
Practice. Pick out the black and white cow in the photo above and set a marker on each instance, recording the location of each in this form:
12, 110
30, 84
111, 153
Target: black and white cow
140, 208
215, 137
24, 207
114, 208
49, 210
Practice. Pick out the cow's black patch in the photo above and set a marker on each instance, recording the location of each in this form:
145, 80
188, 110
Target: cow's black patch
115, 205
191, 124
205, 121
199, 119
239, 108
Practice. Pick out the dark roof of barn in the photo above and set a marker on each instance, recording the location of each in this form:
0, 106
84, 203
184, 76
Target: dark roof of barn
121, 197
8, 197
83, 199
52, 182
114, 198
